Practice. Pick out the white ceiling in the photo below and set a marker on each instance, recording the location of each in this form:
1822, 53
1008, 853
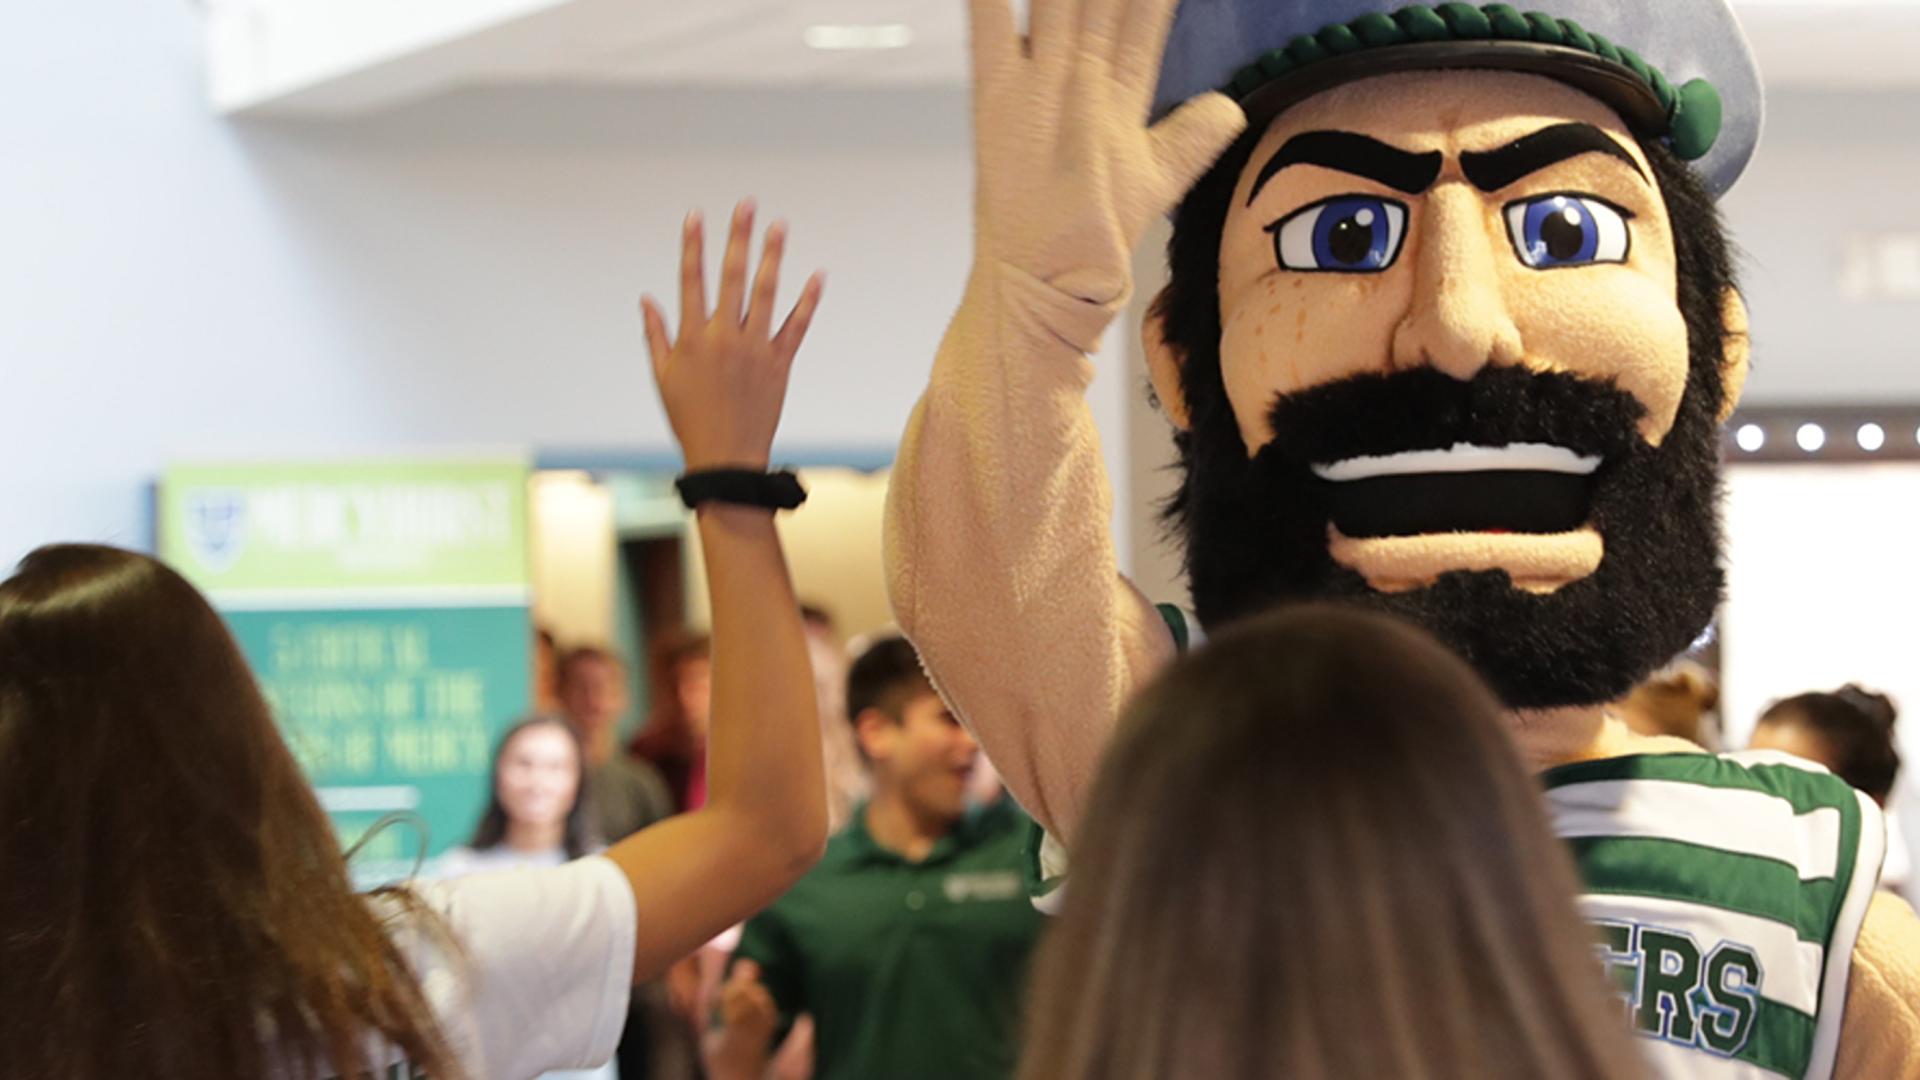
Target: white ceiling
1838, 43
762, 43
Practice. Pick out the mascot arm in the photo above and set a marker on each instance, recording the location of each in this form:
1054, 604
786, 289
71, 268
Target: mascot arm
1000, 562
1880, 1037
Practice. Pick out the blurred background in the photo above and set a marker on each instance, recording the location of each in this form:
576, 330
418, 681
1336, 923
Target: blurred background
333, 303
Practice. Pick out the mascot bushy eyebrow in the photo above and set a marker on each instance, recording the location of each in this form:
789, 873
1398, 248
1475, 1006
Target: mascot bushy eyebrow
1450, 332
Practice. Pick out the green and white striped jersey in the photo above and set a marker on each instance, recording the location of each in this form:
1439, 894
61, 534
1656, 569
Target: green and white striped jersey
1729, 891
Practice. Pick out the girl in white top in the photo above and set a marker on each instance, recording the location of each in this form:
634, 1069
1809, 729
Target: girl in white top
535, 817
173, 903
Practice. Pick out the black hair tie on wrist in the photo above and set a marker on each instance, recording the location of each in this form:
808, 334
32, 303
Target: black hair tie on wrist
741, 487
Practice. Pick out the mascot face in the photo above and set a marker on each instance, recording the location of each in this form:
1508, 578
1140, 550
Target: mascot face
1455, 373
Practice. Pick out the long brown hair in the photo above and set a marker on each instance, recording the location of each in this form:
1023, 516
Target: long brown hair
173, 902
1313, 853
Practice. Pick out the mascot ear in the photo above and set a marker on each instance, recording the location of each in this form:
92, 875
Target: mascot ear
1735, 351
1164, 362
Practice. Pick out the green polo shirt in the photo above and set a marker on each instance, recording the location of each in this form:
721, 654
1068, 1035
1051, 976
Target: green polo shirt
908, 969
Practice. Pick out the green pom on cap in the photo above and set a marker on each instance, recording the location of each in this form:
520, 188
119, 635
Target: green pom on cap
1696, 119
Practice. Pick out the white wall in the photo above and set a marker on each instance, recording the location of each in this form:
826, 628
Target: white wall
460, 272
463, 271
1834, 170
1791, 625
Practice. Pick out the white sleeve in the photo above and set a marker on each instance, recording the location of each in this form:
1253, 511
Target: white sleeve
546, 964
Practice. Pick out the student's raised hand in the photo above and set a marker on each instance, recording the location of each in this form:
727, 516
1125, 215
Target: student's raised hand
723, 380
1070, 173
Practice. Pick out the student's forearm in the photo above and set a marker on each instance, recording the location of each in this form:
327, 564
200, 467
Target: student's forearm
766, 818
764, 709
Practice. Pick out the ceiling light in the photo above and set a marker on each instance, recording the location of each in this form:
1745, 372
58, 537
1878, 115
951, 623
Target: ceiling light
1871, 437
1751, 437
1811, 437
873, 36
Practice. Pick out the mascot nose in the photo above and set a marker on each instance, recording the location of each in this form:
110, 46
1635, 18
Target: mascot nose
1458, 322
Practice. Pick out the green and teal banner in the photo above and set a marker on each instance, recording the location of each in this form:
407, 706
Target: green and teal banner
384, 607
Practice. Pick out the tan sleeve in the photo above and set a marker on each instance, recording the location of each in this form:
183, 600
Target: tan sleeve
1000, 559
1880, 1036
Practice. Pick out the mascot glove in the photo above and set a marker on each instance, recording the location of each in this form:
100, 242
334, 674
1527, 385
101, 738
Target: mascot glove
1070, 173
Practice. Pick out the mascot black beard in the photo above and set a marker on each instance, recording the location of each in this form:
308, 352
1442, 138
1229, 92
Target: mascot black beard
1450, 332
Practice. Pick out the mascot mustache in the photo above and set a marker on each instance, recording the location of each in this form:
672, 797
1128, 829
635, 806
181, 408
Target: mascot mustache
1419, 452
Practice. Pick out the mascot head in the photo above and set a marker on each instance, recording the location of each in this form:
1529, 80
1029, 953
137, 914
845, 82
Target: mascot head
1452, 329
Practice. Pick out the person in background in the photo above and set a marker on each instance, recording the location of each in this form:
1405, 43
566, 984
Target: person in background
697, 987
537, 816
537, 812
674, 740
1312, 851
1679, 701
846, 772
174, 903
908, 944
663, 1034
627, 794
1851, 732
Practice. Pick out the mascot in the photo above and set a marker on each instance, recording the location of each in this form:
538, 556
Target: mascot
1451, 332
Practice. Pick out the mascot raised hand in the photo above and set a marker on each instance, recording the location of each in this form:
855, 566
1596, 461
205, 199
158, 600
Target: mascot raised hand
1450, 333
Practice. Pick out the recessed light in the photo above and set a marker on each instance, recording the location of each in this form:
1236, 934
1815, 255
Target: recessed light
1871, 437
843, 38
1750, 437
1811, 437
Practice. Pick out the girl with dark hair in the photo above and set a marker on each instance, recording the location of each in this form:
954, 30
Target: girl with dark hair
537, 811
536, 816
1313, 852
174, 904
1850, 731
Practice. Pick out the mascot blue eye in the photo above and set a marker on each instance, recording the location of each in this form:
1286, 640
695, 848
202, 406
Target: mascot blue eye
1354, 234
1567, 230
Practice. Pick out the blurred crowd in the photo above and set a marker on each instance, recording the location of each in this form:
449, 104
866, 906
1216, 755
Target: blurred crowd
858, 971
921, 905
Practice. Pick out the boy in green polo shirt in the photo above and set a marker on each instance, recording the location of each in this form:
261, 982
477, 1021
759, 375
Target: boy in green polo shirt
908, 943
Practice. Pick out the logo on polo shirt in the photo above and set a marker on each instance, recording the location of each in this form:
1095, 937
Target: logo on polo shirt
987, 885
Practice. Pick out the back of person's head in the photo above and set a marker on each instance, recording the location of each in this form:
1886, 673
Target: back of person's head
173, 902
591, 683
1313, 853
1679, 702
1851, 732
527, 788
679, 665
581, 662
885, 677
